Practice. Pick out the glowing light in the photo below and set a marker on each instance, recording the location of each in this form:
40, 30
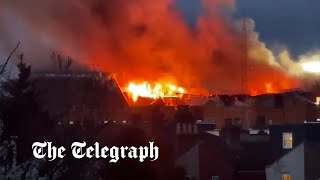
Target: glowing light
311, 66
158, 90
317, 101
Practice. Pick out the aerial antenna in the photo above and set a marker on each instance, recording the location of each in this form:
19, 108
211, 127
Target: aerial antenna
245, 56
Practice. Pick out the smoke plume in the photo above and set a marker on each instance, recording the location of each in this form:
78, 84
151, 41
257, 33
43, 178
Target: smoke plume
150, 41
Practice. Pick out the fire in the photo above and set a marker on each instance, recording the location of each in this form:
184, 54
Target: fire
158, 90
269, 88
209, 55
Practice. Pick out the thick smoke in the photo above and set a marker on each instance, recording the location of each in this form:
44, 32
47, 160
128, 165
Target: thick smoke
149, 40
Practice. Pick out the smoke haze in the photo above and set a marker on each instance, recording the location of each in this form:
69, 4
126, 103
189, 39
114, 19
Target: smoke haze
143, 40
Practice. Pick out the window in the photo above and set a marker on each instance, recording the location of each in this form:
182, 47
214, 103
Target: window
237, 122
195, 129
184, 128
285, 176
189, 129
215, 178
317, 101
287, 140
178, 128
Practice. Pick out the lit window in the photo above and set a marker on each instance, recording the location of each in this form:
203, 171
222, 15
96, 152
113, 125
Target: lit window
287, 140
285, 176
317, 101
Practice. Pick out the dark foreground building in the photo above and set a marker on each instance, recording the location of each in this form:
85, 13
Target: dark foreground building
78, 96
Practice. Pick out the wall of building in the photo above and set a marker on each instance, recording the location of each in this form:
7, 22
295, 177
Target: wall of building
218, 114
312, 161
291, 110
276, 133
292, 163
215, 160
190, 162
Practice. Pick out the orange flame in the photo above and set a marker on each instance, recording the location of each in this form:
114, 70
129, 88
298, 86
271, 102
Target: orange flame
209, 56
269, 88
145, 89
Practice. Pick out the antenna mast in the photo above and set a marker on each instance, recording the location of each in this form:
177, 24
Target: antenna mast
245, 54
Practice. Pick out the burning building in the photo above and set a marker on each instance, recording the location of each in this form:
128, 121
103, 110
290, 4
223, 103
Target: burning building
156, 57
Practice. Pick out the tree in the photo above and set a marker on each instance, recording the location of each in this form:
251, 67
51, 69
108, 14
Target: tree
3, 67
19, 111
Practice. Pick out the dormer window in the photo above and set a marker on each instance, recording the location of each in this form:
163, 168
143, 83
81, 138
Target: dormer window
287, 140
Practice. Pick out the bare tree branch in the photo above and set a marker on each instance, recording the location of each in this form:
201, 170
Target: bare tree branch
6, 63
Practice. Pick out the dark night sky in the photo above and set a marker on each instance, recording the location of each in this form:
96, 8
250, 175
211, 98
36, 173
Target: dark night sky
293, 23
